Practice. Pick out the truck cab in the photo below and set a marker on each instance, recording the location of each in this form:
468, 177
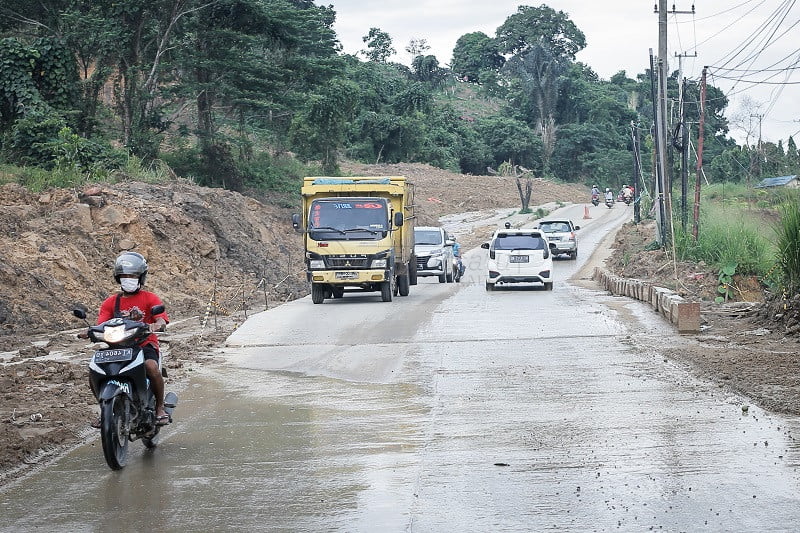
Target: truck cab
358, 234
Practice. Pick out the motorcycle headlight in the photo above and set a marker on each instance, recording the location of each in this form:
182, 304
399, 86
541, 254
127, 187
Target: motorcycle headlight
114, 334
379, 263
316, 264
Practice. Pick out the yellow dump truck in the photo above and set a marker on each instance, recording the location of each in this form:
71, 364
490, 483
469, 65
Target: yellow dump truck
359, 235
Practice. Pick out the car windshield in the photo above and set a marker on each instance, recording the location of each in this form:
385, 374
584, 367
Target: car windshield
554, 227
518, 241
427, 236
348, 218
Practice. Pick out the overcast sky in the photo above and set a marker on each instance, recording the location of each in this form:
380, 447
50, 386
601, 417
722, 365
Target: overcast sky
619, 35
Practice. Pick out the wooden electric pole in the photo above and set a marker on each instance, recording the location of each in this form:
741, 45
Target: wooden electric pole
700, 135
663, 193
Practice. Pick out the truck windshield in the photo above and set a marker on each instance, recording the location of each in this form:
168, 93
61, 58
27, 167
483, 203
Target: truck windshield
348, 219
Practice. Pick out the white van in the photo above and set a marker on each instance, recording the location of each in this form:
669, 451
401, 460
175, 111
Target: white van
519, 256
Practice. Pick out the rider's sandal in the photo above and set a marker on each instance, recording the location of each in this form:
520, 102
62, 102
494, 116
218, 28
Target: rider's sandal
163, 420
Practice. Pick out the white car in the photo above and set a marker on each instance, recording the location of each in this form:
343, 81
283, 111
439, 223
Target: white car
434, 253
519, 256
560, 234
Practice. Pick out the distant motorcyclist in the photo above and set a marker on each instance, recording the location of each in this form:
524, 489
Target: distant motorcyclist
457, 255
627, 193
595, 194
130, 271
609, 195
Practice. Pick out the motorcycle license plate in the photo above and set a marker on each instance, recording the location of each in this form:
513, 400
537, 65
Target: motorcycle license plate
518, 259
346, 275
113, 356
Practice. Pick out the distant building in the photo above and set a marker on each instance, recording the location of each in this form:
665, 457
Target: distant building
789, 182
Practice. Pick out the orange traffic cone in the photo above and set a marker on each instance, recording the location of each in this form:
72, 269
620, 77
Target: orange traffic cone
586, 212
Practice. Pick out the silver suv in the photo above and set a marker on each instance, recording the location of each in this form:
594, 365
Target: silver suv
434, 251
560, 233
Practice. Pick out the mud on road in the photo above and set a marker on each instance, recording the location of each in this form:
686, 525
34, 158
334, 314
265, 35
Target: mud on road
214, 256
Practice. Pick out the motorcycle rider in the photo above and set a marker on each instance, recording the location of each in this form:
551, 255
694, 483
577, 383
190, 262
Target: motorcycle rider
130, 271
627, 193
457, 255
595, 192
609, 195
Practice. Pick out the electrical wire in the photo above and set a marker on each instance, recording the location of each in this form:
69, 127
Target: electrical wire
753, 36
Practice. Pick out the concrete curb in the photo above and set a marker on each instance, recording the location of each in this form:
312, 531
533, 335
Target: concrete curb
683, 314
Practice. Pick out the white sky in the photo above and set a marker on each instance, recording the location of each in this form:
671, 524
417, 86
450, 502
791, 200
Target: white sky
619, 35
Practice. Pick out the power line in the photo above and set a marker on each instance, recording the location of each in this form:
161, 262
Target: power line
753, 36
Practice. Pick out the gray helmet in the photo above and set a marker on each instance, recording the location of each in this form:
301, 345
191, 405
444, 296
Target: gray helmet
131, 263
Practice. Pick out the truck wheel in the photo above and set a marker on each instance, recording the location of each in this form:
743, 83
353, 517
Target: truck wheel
548, 286
442, 277
412, 270
317, 293
337, 292
489, 286
574, 255
450, 276
402, 285
386, 291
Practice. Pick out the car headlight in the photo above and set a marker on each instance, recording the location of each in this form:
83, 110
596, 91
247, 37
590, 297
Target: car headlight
379, 263
316, 264
437, 251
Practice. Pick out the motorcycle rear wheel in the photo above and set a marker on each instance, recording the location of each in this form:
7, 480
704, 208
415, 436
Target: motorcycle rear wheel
112, 420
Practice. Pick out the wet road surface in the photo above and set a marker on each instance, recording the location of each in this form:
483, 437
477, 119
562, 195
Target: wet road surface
452, 409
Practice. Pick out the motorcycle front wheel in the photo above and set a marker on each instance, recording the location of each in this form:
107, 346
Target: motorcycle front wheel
112, 423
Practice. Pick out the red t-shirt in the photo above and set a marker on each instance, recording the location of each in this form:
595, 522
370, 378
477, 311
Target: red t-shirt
141, 301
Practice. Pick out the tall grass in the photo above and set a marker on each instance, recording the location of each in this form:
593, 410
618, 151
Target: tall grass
729, 235
788, 243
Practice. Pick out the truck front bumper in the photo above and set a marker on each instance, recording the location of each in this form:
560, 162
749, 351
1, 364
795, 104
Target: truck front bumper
348, 277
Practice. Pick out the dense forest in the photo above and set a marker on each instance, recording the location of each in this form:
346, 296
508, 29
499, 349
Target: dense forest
249, 94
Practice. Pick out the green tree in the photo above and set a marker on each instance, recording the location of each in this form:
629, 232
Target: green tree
513, 141
379, 46
474, 54
792, 157
541, 27
427, 70
321, 129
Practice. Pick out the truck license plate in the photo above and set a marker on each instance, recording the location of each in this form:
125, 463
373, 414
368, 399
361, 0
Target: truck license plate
346, 275
518, 259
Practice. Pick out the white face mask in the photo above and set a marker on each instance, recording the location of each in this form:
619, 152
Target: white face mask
129, 284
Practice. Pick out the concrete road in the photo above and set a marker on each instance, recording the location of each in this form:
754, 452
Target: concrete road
452, 409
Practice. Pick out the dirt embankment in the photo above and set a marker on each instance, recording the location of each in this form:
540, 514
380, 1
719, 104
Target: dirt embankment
214, 255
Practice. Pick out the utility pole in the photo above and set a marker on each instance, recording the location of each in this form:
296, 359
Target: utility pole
757, 166
658, 138
661, 121
663, 195
637, 172
700, 136
684, 148
684, 142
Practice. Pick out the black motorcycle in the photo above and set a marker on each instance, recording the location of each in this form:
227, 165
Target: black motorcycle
460, 269
595, 200
119, 382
